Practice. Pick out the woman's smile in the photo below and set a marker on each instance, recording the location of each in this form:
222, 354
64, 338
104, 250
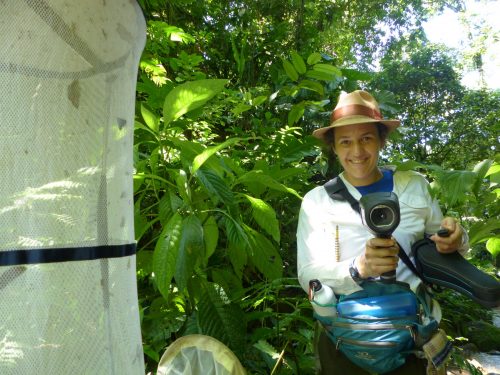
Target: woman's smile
357, 147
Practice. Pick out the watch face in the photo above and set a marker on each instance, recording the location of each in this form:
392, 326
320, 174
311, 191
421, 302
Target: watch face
355, 274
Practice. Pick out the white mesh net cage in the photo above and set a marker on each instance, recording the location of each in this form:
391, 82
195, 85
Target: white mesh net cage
68, 72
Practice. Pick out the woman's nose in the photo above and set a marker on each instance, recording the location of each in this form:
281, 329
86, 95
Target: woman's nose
357, 149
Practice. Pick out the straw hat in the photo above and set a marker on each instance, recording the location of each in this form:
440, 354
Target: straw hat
357, 107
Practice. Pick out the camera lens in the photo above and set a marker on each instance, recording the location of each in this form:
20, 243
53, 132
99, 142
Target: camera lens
382, 216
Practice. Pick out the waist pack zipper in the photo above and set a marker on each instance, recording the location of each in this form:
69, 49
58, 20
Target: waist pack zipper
372, 326
382, 344
377, 326
406, 317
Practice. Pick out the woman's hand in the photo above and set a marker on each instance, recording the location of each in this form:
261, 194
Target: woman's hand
453, 241
380, 256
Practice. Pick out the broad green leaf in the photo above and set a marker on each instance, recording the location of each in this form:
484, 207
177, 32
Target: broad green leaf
235, 233
298, 62
266, 180
408, 165
493, 246
313, 58
267, 349
191, 248
480, 169
481, 231
168, 204
150, 118
265, 216
219, 318
320, 76
189, 96
151, 353
215, 185
238, 258
494, 173
190, 150
312, 85
295, 151
329, 69
264, 255
201, 158
259, 100
290, 70
356, 75
240, 108
296, 113
183, 186
165, 254
457, 183
140, 223
211, 236
139, 125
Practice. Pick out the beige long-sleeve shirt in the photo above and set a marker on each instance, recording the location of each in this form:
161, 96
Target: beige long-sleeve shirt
320, 215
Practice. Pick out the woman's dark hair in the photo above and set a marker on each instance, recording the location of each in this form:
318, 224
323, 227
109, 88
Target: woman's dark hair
381, 129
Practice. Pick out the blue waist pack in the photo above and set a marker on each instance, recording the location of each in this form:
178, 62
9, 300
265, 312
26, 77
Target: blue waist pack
380, 325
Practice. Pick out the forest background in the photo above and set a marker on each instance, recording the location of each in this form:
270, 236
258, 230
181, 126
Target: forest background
228, 94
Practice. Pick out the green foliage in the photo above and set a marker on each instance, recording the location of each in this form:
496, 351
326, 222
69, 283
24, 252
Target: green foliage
226, 101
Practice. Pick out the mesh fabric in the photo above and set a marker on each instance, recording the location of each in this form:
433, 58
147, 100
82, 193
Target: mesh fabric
67, 73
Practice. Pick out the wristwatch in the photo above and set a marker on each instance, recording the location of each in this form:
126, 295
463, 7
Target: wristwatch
353, 270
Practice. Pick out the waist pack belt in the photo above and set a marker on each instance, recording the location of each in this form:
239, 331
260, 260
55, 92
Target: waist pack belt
380, 325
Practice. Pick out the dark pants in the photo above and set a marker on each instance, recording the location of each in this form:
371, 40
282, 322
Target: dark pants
333, 362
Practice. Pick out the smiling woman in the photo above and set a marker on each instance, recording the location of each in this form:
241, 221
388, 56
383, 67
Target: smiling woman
334, 247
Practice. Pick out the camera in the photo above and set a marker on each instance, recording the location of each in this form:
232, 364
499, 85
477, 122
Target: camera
380, 214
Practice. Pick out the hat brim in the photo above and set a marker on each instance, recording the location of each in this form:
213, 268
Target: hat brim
354, 120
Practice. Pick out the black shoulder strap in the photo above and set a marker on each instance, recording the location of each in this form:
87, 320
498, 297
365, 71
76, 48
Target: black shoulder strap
337, 190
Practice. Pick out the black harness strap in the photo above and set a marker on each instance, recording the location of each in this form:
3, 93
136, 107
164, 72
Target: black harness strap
337, 190
70, 254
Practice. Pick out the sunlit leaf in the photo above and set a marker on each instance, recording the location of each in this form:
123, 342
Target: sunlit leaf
481, 231
493, 246
320, 76
151, 120
259, 100
265, 216
480, 169
290, 70
219, 318
210, 236
260, 178
189, 96
311, 85
215, 185
201, 158
240, 108
329, 69
191, 248
296, 113
298, 62
264, 255
313, 58
165, 254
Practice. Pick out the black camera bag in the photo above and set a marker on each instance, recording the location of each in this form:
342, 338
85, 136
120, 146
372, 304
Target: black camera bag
455, 272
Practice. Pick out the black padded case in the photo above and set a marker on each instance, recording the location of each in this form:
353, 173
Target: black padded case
455, 272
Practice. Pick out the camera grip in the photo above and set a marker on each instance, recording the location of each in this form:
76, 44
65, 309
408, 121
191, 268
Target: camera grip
391, 275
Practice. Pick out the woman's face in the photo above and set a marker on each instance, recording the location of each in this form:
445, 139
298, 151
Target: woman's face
357, 147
